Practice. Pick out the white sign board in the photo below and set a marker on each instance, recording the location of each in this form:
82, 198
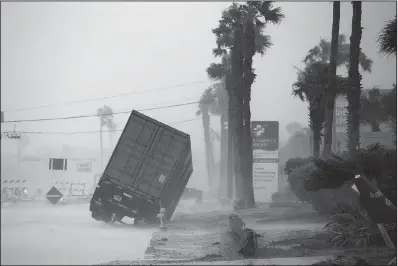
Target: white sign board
265, 159
84, 167
265, 179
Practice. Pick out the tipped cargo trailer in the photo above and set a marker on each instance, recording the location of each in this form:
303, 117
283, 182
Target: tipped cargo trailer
148, 170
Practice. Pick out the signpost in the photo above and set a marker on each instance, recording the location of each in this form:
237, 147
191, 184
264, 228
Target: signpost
265, 159
53, 195
59, 164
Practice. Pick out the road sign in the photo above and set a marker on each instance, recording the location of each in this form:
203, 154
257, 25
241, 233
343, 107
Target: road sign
265, 159
53, 195
58, 164
84, 167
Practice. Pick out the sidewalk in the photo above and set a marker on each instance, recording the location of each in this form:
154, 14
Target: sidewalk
274, 261
202, 237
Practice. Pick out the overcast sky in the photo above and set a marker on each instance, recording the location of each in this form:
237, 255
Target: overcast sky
61, 52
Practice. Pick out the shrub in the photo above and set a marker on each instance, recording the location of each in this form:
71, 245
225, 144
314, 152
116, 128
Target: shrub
327, 183
277, 196
377, 163
296, 180
286, 195
325, 201
351, 227
294, 163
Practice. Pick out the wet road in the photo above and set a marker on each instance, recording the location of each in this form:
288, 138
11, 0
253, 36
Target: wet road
47, 234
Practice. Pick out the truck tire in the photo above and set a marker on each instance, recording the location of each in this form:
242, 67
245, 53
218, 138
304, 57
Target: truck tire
138, 221
96, 216
104, 217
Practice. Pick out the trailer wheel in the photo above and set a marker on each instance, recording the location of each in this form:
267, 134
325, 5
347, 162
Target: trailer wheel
138, 221
104, 217
96, 216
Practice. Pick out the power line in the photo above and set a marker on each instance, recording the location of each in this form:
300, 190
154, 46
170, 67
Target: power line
87, 132
93, 115
105, 97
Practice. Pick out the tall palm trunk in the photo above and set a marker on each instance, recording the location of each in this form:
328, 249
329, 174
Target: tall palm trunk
223, 158
231, 158
248, 79
222, 97
354, 92
375, 126
231, 135
331, 91
208, 149
237, 61
316, 135
316, 123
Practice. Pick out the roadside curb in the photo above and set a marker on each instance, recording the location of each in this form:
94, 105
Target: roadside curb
272, 261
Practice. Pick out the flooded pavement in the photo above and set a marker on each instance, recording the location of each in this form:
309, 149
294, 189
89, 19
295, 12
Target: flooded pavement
60, 235
202, 235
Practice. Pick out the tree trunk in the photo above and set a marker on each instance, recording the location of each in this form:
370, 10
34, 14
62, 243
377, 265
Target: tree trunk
237, 61
239, 142
316, 136
208, 151
331, 91
375, 126
248, 79
354, 91
231, 143
223, 159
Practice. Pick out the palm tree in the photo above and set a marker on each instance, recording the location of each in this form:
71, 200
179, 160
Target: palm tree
228, 35
322, 51
354, 90
241, 31
372, 110
310, 87
254, 42
105, 115
222, 104
221, 72
206, 106
388, 38
330, 93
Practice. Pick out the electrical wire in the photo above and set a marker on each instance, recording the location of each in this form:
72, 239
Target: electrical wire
94, 115
87, 132
105, 97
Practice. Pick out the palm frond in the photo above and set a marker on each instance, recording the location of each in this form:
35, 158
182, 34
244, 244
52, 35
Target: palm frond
270, 14
219, 52
321, 53
313, 55
365, 62
216, 71
388, 38
262, 42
